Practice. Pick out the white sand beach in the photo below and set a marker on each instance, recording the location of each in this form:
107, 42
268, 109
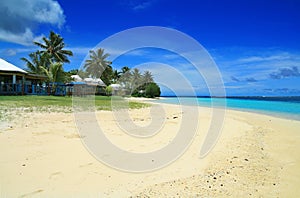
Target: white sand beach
256, 156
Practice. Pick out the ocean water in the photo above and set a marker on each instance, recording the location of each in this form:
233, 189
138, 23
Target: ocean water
285, 107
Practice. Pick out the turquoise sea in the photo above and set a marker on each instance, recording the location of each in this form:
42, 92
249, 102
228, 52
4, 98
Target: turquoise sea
286, 107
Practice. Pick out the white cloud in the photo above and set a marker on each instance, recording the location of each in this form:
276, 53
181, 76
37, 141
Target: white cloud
9, 52
19, 17
138, 5
256, 64
14, 51
142, 6
25, 38
278, 57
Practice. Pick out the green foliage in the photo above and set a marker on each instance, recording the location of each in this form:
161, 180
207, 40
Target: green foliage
73, 72
68, 77
125, 78
37, 60
49, 60
98, 67
152, 90
135, 83
108, 90
82, 74
54, 47
107, 75
147, 77
116, 76
55, 73
136, 78
125, 69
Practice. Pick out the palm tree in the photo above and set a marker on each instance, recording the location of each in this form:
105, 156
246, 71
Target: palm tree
97, 66
125, 75
108, 75
116, 75
136, 79
125, 78
125, 69
54, 47
147, 77
37, 61
55, 73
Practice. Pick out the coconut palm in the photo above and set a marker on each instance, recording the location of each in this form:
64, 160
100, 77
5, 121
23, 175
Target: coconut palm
54, 47
108, 75
55, 73
98, 67
125, 69
136, 78
125, 78
125, 75
116, 75
37, 60
147, 77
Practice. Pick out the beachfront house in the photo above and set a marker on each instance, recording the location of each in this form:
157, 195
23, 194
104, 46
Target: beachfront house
16, 81
116, 89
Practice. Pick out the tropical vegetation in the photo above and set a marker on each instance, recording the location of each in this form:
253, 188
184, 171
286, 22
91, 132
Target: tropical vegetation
97, 66
132, 82
54, 47
50, 58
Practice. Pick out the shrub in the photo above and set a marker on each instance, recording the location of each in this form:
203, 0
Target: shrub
152, 90
108, 90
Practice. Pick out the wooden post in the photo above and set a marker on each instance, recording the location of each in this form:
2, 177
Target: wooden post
23, 84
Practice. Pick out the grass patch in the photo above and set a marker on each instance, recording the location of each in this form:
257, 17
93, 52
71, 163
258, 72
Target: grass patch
35, 101
27, 104
101, 102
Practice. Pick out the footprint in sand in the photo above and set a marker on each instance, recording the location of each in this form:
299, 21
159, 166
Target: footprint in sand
55, 175
32, 193
85, 165
71, 136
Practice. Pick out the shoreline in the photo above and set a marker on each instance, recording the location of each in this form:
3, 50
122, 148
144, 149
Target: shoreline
49, 147
283, 115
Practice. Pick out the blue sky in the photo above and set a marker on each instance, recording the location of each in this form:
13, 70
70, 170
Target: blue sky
255, 44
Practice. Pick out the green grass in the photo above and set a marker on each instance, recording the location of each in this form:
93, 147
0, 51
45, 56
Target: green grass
35, 101
57, 103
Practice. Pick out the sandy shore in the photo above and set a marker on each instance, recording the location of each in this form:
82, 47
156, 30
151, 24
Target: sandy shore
256, 156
